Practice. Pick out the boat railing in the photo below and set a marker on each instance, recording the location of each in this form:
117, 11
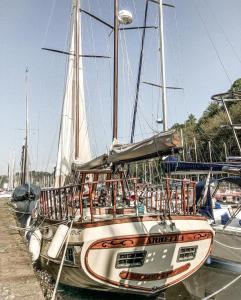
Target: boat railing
115, 198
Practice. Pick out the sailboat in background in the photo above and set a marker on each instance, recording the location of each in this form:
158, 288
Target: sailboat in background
25, 196
145, 243
7, 191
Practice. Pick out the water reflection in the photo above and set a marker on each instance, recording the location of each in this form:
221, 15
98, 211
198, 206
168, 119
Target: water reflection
204, 282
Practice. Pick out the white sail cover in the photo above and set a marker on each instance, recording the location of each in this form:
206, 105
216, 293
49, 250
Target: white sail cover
160, 144
66, 147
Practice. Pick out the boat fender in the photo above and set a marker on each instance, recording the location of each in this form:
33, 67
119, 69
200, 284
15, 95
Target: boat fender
27, 228
35, 244
57, 241
34, 213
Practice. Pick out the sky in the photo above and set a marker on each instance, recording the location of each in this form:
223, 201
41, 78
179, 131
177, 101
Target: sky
203, 56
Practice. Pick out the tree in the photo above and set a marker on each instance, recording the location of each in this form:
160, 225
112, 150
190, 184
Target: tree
236, 86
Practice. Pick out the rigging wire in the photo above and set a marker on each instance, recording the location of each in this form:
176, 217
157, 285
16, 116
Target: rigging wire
222, 31
143, 105
49, 21
58, 125
212, 42
98, 77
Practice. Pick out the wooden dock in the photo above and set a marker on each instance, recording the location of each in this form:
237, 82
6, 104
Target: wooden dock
17, 277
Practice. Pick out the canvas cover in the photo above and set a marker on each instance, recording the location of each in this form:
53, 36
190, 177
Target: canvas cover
160, 144
26, 192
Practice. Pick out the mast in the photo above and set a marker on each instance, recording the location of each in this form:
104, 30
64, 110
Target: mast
25, 146
210, 151
8, 176
139, 75
163, 69
225, 151
73, 144
183, 150
76, 88
115, 87
195, 147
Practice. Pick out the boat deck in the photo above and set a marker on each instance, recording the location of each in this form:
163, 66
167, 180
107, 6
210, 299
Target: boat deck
17, 277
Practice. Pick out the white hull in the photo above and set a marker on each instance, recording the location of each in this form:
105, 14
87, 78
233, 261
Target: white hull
6, 195
227, 241
227, 244
97, 250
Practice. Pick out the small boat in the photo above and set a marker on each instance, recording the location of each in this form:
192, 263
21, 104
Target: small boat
25, 197
6, 194
227, 226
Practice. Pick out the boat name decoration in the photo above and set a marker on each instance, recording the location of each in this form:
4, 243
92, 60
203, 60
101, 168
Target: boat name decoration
148, 240
153, 276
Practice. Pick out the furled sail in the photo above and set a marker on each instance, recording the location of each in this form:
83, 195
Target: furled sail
73, 108
160, 144
96, 163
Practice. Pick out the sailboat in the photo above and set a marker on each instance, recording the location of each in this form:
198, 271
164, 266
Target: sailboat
225, 215
7, 193
115, 239
25, 196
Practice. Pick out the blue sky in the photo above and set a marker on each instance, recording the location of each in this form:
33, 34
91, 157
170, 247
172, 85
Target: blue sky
203, 56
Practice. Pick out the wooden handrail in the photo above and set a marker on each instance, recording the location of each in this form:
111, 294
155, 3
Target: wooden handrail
62, 203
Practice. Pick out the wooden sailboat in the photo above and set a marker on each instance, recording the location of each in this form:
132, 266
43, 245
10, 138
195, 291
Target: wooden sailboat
119, 240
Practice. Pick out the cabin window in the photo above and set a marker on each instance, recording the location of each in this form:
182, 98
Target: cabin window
130, 259
187, 253
69, 255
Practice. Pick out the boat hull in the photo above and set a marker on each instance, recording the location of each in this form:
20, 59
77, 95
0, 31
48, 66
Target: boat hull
227, 245
106, 257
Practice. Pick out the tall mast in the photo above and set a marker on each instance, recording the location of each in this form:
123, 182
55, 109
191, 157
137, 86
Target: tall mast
76, 87
210, 151
25, 148
195, 148
115, 87
163, 70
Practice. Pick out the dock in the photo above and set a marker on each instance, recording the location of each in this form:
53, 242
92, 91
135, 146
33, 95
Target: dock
17, 276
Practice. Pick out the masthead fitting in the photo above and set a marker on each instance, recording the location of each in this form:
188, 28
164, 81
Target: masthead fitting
159, 121
125, 17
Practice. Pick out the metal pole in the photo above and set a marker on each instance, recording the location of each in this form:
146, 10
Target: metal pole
115, 84
225, 151
25, 154
163, 73
210, 151
195, 147
76, 88
231, 123
183, 152
139, 75
150, 177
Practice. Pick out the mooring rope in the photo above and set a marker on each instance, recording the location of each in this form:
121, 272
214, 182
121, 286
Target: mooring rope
227, 246
223, 288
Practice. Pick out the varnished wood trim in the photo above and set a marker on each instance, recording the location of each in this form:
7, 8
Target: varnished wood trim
152, 239
153, 276
123, 220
